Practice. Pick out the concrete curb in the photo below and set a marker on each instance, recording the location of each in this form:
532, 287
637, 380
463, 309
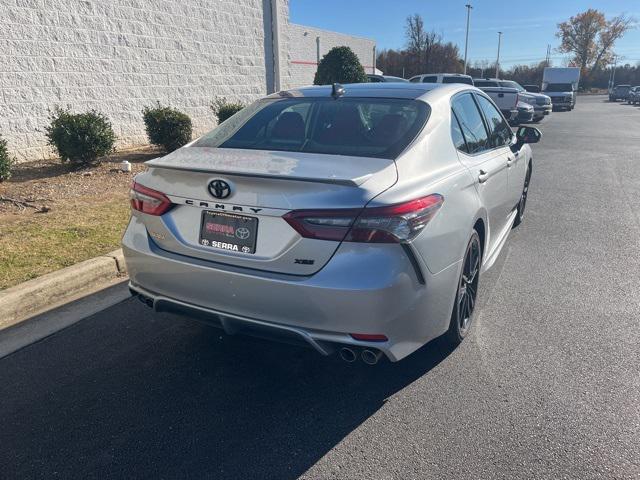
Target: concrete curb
54, 289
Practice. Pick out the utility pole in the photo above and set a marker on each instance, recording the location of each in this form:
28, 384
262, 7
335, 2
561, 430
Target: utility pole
498, 59
466, 41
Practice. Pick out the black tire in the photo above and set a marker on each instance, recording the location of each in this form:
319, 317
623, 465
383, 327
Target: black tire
466, 292
522, 204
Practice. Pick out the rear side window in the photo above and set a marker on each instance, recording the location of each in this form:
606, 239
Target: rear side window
501, 133
365, 127
430, 79
456, 134
471, 123
465, 80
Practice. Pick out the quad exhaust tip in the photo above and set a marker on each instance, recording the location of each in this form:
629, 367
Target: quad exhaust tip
371, 357
348, 355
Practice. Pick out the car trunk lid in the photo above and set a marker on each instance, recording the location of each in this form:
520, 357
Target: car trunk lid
264, 186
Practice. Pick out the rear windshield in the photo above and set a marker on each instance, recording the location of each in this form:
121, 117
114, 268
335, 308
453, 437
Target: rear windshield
465, 80
559, 87
364, 127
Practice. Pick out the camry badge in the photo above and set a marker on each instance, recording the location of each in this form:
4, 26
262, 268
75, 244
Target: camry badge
219, 188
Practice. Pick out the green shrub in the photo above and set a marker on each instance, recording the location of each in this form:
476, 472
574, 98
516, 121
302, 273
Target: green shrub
224, 109
339, 65
6, 162
80, 138
167, 127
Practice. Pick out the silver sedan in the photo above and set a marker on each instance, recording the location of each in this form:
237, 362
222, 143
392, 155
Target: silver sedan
356, 219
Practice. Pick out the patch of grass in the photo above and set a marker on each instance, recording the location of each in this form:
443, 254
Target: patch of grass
37, 244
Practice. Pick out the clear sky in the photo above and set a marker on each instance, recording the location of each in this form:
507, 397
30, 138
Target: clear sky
527, 26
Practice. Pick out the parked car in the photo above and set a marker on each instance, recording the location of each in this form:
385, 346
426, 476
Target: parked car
442, 78
526, 113
634, 95
561, 84
385, 78
505, 98
532, 88
356, 219
619, 92
541, 103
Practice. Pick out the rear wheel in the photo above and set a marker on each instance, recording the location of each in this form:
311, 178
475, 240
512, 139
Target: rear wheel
522, 204
467, 291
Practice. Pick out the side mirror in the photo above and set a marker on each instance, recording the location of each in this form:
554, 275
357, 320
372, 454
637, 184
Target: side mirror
528, 135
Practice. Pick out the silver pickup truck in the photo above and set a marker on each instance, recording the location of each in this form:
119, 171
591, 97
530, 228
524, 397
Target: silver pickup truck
506, 100
541, 103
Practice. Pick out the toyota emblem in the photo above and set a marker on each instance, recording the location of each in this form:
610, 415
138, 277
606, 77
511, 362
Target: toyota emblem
219, 188
242, 233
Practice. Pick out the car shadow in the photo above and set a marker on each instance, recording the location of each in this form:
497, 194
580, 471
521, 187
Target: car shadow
129, 394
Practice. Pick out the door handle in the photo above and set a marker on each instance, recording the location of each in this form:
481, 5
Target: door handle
483, 176
510, 161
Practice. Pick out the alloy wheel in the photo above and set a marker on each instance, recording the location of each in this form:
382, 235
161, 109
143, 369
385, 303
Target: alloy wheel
523, 198
468, 286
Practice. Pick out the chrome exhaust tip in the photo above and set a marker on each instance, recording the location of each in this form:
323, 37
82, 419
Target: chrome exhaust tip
348, 355
371, 357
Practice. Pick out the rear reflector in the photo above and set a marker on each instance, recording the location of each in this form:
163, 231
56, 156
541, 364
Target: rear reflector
390, 224
368, 337
149, 201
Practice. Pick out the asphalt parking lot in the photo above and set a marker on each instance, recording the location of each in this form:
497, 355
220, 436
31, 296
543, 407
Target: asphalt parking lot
547, 386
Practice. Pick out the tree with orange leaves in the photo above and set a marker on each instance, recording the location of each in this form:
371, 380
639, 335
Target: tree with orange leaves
590, 37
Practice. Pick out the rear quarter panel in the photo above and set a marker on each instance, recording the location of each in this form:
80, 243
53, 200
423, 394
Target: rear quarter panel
430, 166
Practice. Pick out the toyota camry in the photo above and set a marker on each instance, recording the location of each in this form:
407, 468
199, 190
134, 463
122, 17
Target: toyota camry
356, 219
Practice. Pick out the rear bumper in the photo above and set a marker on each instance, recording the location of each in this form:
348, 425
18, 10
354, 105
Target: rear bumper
363, 289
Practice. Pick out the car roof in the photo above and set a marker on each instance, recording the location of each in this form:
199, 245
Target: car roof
379, 90
443, 74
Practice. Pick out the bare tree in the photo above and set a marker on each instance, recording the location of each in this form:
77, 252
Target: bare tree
416, 34
590, 38
420, 42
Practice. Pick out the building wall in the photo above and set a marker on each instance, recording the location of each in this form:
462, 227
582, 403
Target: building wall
118, 56
303, 51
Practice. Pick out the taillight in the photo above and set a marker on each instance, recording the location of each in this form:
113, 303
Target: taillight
391, 224
149, 201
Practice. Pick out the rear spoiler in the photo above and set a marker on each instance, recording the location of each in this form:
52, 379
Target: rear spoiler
347, 182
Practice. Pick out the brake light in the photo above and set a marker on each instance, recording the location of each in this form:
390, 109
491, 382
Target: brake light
149, 201
392, 224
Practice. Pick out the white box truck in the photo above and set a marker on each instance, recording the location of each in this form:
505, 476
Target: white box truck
561, 84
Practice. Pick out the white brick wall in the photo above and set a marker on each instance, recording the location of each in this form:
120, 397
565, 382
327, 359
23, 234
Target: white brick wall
119, 55
303, 51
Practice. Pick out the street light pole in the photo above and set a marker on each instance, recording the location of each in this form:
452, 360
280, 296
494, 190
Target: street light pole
498, 59
466, 41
